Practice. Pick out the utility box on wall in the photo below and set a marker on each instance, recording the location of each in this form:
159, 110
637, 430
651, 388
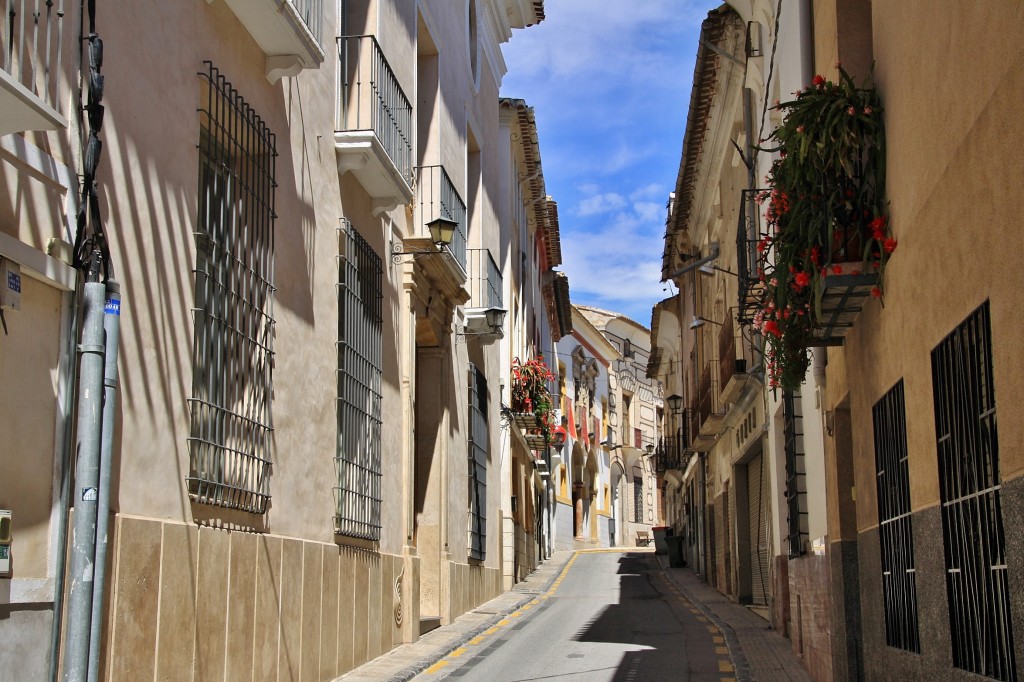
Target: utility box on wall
10, 285
5, 543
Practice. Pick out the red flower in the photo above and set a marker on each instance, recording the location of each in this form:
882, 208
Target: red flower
876, 292
802, 279
889, 245
818, 80
771, 327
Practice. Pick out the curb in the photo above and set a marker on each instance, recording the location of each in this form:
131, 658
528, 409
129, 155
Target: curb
740, 664
412, 671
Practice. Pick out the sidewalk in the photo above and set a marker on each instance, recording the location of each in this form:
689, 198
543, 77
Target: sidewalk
758, 652
405, 662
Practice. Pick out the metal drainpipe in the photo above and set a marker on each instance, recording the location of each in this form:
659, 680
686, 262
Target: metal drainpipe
64, 503
112, 331
83, 542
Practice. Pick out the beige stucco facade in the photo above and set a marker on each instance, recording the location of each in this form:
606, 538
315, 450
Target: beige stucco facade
278, 594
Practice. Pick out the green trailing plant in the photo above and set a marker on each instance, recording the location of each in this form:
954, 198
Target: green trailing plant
530, 395
825, 213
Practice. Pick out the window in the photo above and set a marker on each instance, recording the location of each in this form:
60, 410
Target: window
478, 451
796, 483
627, 425
233, 321
357, 460
894, 522
977, 587
638, 499
627, 349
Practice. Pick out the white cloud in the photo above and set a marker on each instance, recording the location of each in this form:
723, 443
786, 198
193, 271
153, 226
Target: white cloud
600, 203
610, 84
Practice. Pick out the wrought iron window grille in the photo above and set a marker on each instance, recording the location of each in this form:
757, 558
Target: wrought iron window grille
977, 581
895, 527
233, 358
358, 495
796, 485
479, 441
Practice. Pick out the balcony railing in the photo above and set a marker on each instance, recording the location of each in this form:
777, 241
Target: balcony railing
844, 290
748, 258
374, 122
31, 41
710, 410
485, 280
436, 197
288, 32
736, 358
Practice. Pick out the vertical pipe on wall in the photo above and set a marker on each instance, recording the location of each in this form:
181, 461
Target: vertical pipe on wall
83, 542
111, 328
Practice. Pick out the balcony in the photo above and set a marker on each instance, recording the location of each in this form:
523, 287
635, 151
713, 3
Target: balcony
485, 286
710, 409
673, 453
845, 289
748, 259
436, 197
288, 32
373, 132
30, 97
735, 362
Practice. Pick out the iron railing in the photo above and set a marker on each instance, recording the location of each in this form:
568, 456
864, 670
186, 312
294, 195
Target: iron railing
485, 280
478, 455
796, 482
895, 530
311, 12
357, 460
370, 98
232, 375
436, 197
708, 392
977, 582
749, 259
673, 452
31, 42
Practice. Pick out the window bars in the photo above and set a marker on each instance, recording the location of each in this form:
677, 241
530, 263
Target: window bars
896, 537
478, 451
232, 358
638, 499
796, 482
977, 587
357, 461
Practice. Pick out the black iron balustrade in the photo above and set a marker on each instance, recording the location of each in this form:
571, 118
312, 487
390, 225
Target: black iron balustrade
485, 279
436, 197
748, 257
372, 99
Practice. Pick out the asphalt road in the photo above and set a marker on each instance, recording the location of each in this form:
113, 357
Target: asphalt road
610, 616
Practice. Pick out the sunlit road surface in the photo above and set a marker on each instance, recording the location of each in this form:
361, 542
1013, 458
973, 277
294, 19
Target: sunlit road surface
608, 616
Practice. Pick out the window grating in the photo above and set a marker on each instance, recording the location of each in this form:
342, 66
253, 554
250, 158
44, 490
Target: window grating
972, 524
357, 496
478, 451
638, 499
796, 482
232, 358
896, 537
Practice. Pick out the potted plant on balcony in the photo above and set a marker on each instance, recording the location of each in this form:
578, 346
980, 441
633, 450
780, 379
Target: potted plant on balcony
530, 397
825, 214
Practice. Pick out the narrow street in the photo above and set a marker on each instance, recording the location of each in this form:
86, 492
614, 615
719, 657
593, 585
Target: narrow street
616, 617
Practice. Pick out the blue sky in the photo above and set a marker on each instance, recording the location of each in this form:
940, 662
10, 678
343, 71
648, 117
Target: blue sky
610, 84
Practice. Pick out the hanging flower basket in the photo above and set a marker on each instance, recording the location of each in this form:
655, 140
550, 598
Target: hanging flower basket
827, 235
531, 406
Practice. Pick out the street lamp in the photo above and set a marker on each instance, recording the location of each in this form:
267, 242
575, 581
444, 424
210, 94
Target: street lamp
442, 231
675, 403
